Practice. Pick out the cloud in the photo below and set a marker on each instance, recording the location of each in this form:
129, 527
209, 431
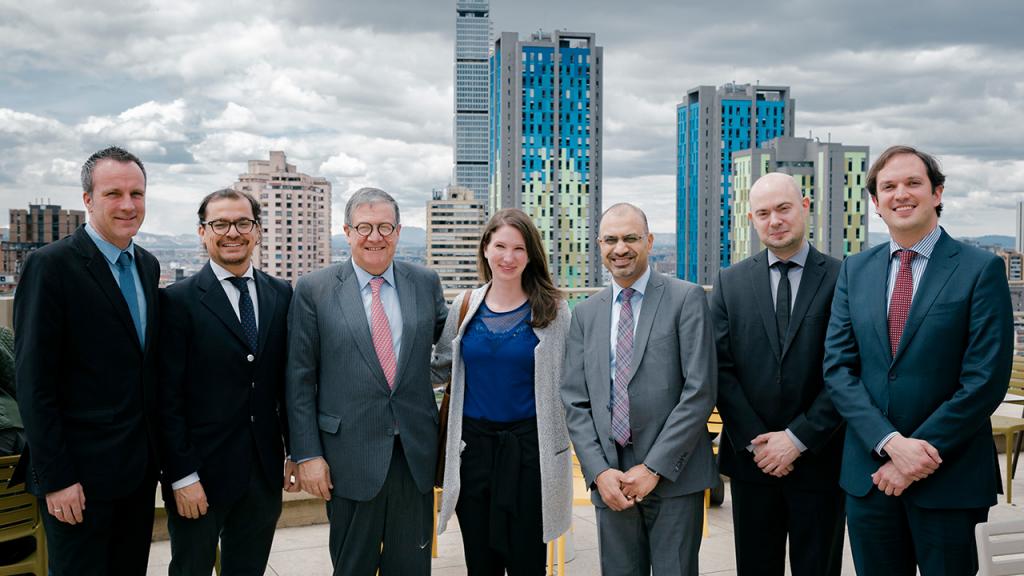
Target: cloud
361, 93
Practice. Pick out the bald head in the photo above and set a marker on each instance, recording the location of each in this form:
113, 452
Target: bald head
778, 212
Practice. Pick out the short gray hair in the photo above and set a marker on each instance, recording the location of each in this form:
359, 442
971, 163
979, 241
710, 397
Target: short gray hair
369, 196
109, 153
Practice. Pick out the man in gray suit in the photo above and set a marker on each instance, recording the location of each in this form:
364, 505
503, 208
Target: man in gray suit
361, 410
639, 384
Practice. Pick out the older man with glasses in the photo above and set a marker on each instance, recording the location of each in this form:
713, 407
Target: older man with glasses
360, 404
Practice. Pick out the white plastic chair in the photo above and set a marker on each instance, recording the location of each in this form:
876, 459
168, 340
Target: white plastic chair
1000, 548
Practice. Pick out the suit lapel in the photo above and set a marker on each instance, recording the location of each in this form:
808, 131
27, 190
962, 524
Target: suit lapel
603, 350
761, 287
876, 275
407, 296
99, 269
212, 296
648, 310
350, 301
810, 281
943, 262
152, 299
267, 298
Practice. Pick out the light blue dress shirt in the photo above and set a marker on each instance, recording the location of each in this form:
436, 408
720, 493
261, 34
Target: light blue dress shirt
110, 254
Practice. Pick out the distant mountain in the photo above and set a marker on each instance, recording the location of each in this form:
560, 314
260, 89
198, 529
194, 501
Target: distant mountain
1005, 242
412, 237
166, 241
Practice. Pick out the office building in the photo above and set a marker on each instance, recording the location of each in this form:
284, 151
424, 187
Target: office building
455, 218
546, 97
831, 174
34, 228
296, 217
1019, 240
1014, 262
712, 123
472, 48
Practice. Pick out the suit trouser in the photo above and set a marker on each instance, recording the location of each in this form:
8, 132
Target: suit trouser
765, 513
113, 539
889, 536
389, 532
658, 533
244, 528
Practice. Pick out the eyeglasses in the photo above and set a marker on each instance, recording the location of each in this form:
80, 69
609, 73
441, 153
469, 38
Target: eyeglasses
385, 229
221, 227
628, 239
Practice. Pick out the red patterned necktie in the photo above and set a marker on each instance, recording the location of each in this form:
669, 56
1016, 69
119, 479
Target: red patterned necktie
381, 331
902, 295
623, 361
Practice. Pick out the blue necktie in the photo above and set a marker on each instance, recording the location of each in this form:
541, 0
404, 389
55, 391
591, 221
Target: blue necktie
246, 314
127, 281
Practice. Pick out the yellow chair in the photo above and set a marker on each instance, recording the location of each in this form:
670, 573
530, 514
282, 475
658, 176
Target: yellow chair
1008, 427
19, 517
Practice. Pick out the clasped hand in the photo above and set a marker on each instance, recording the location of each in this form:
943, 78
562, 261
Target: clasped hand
621, 490
774, 453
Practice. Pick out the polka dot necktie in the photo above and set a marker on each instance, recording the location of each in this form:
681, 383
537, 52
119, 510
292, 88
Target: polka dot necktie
902, 294
380, 329
246, 314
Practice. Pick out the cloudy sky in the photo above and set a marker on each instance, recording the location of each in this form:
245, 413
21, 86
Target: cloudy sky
361, 92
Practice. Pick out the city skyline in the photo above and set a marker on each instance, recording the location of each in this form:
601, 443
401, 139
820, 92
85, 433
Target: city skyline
362, 94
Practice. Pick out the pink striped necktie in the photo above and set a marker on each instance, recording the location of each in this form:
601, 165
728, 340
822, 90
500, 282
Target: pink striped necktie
381, 331
902, 295
623, 362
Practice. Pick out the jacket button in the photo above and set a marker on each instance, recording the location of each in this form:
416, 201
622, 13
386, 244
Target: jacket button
253, 385
252, 419
250, 358
892, 377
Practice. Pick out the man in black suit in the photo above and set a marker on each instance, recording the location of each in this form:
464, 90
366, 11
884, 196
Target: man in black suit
781, 446
222, 366
85, 316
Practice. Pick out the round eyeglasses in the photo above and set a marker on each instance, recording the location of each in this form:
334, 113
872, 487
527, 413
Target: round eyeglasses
384, 229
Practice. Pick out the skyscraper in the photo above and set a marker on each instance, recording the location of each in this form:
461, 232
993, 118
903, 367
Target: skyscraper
546, 144
831, 174
296, 217
34, 228
1020, 227
712, 123
472, 46
455, 219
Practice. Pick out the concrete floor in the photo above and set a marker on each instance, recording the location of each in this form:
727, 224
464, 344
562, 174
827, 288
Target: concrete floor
303, 551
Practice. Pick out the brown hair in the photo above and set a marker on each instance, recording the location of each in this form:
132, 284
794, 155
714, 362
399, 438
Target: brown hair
931, 165
536, 280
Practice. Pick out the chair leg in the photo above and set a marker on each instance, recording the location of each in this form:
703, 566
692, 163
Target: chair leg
1009, 467
437, 504
707, 505
1016, 454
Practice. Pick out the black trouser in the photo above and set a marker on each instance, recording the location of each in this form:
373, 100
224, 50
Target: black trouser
499, 505
244, 528
764, 515
113, 539
389, 532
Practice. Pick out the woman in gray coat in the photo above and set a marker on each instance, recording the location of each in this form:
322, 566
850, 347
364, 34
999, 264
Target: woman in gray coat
508, 474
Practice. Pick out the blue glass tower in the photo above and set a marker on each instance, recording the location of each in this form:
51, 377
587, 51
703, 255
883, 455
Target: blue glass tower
546, 144
711, 124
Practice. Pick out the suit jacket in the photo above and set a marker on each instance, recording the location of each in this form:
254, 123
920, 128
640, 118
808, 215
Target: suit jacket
765, 385
552, 434
86, 387
219, 402
948, 375
671, 389
339, 403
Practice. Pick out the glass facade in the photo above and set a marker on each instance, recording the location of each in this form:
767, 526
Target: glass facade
472, 46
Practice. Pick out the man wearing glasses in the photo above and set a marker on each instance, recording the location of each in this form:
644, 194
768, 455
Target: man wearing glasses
638, 385
222, 367
361, 409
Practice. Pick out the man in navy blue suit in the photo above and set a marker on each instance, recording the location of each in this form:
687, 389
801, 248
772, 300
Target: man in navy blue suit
917, 358
222, 369
85, 317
